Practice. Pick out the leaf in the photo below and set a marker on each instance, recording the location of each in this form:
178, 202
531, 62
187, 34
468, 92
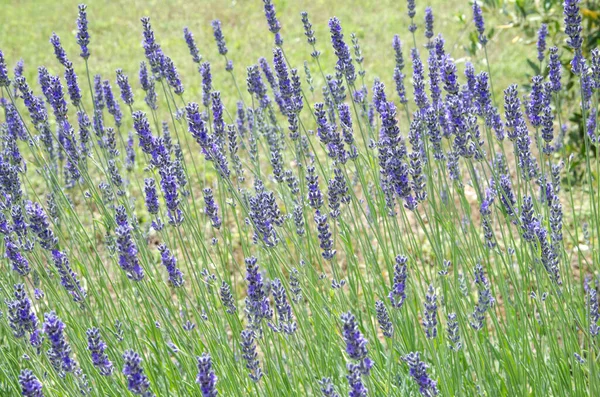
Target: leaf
535, 66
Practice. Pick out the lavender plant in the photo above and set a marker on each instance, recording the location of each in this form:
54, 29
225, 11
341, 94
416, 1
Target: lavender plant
291, 202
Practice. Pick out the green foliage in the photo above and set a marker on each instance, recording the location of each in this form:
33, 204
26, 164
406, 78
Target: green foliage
524, 17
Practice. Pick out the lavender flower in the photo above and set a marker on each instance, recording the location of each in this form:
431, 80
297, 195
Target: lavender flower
250, 356
68, 277
327, 388
18, 72
398, 75
147, 83
98, 93
38, 223
169, 186
257, 302
554, 69
548, 255
556, 216
96, 346
59, 52
485, 299
411, 14
286, 90
434, 79
298, 216
115, 176
357, 387
397, 295
191, 43
274, 25
218, 123
573, 30
528, 219
142, 127
151, 196
18, 261
430, 313
129, 153
593, 314
57, 99
264, 214
19, 225
454, 342
21, 318
127, 248
355, 343
479, 23
60, 350
4, 80
344, 62
418, 80
512, 111
123, 83
541, 42
428, 23
83, 36
536, 101
72, 85
285, 318
310, 34
137, 381
211, 210
325, 238
383, 318
295, 288
595, 68
152, 49
84, 133
256, 86
418, 371
450, 79
171, 75
35, 105
547, 122
30, 385
315, 197
219, 38
227, 298
170, 263
113, 107
206, 377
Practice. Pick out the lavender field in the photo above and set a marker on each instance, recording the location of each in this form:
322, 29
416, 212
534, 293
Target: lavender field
292, 224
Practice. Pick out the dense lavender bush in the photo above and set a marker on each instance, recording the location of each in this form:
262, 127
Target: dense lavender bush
373, 235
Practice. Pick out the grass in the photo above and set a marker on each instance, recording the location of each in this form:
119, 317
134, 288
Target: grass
116, 35
486, 313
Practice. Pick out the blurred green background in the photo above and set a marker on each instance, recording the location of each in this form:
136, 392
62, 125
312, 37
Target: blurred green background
25, 27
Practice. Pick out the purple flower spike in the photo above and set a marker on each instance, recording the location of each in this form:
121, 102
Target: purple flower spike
479, 23
21, 318
137, 381
30, 385
274, 25
418, 371
96, 346
60, 350
356, 344
398, 295
83, 36
206, 376
191, 43
541, 42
